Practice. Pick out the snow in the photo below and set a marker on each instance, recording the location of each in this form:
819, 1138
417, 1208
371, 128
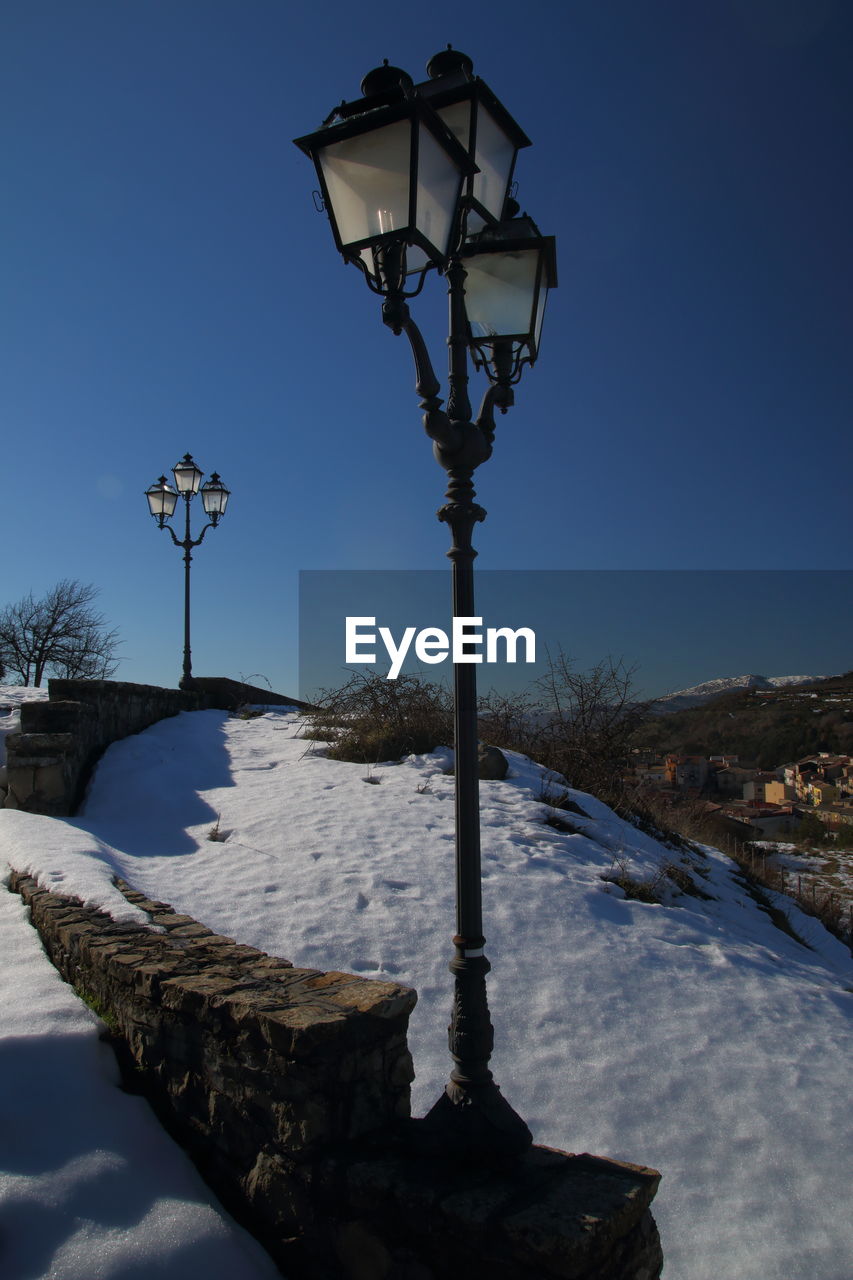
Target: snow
91, 1188
692, 1035
11, 697
826, 870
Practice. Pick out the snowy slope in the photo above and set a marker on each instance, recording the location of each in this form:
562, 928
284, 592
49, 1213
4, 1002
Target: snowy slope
91, 1187
694, 1035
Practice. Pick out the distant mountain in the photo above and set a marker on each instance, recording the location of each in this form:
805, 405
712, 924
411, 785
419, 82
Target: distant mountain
769, 724
699, 694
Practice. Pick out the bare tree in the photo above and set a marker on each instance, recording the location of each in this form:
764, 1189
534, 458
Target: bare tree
61, 634
579, 725
591, 716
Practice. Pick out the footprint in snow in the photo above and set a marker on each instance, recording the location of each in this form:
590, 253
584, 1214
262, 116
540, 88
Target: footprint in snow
360, 903
316, 856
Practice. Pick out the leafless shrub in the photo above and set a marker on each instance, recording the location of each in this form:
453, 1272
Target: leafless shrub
554, 794
678, 826
510, 721
560, 824
681, 877
371, 719
640, 888
588, 722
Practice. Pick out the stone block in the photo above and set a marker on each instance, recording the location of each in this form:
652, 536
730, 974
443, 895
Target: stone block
300, 1029
400, 1072
361, 1253
55, 717
491, 763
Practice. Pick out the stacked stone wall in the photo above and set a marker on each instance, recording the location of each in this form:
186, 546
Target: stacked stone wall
290, 1088
49, 762
231, 694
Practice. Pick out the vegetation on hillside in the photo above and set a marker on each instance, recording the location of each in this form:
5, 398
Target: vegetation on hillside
580, 725
768, 729
583, 729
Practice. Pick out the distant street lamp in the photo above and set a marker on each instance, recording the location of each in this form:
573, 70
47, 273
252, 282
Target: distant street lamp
162, 500
413, 177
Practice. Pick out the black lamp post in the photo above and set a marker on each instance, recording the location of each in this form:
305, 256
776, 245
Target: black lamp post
414, 177
162, 500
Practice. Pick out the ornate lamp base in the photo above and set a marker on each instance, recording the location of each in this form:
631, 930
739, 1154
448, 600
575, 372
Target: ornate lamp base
474, 1121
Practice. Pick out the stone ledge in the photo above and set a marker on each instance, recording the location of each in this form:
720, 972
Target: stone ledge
550, 1215
194, 970
290, 1089
49, 762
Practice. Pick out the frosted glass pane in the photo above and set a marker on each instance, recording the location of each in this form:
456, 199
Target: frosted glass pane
187, 477
438, 191
416, 260
540, 315
367, 178
457, 117
161, 500
499, 292
215, 500
494, 153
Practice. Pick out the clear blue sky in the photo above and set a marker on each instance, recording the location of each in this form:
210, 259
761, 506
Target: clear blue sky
168, 286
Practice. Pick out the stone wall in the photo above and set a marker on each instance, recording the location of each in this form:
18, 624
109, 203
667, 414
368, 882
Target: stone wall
49, 762
290, 1088
230, 694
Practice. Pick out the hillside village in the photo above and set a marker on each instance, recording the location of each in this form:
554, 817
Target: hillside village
769, 803
747, 792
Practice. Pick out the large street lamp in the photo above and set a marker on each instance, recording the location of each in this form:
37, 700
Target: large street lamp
162, 500
413, 177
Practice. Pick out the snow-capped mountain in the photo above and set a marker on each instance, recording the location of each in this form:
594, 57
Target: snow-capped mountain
709, 689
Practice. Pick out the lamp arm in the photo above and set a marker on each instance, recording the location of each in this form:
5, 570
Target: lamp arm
186, 543
455, 443
175, 537
396, 315
211, 524
497, 396
436, 422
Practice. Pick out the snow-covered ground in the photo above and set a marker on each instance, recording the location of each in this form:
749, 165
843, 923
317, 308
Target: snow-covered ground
11, 697
91, 1188
691, 1035
822, 870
